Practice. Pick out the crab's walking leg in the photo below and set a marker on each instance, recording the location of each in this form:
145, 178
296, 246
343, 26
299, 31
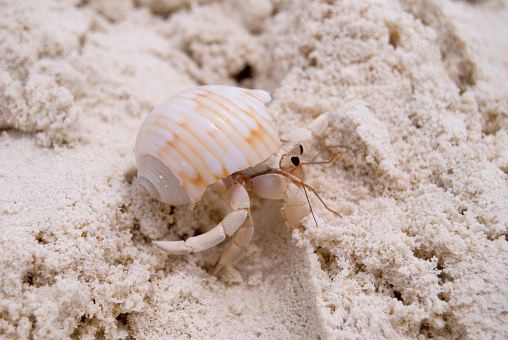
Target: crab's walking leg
239, 241
275, 186
316, 127
270, 186
239, 200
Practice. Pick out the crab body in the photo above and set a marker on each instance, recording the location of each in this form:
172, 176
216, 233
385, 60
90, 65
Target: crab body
213, 133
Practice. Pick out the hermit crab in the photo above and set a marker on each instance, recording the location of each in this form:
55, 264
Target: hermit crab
212, 133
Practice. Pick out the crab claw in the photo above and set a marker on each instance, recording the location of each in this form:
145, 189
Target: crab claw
316, 127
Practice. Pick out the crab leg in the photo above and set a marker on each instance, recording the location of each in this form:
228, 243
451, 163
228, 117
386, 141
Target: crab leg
316, 127
239, 201
239, 241
275, 187
271, 186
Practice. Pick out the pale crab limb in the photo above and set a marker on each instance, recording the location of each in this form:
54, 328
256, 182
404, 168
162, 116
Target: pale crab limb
239, 241
276, 186
239, 201
316, 127
270, 186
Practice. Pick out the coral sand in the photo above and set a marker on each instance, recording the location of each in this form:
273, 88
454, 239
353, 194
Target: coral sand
417, 94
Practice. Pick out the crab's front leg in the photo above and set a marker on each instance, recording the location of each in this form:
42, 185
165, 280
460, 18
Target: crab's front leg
270, 186
239, 201
317, 127
276, 186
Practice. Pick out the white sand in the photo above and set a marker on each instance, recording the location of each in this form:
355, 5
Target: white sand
419, 89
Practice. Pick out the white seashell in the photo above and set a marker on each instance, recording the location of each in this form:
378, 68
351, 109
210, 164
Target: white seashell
202, 135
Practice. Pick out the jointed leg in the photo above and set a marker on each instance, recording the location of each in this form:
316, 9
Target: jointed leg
239, 241
239, 200
276, 186
316, 127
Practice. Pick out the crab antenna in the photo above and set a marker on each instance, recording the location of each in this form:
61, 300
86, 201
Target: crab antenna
331, 146
299, 181
322, 202
322, 162
310, 206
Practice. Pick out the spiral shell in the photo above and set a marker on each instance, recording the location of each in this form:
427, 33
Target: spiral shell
200, 136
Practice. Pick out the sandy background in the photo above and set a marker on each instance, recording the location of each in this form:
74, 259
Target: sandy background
419, 89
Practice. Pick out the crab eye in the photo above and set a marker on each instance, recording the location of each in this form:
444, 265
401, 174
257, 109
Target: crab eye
295, 160
292, 157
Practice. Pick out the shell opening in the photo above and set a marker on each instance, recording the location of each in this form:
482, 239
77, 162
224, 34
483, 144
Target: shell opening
157, 181
145, 188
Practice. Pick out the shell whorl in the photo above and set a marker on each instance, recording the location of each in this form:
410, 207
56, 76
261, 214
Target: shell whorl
199, 136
